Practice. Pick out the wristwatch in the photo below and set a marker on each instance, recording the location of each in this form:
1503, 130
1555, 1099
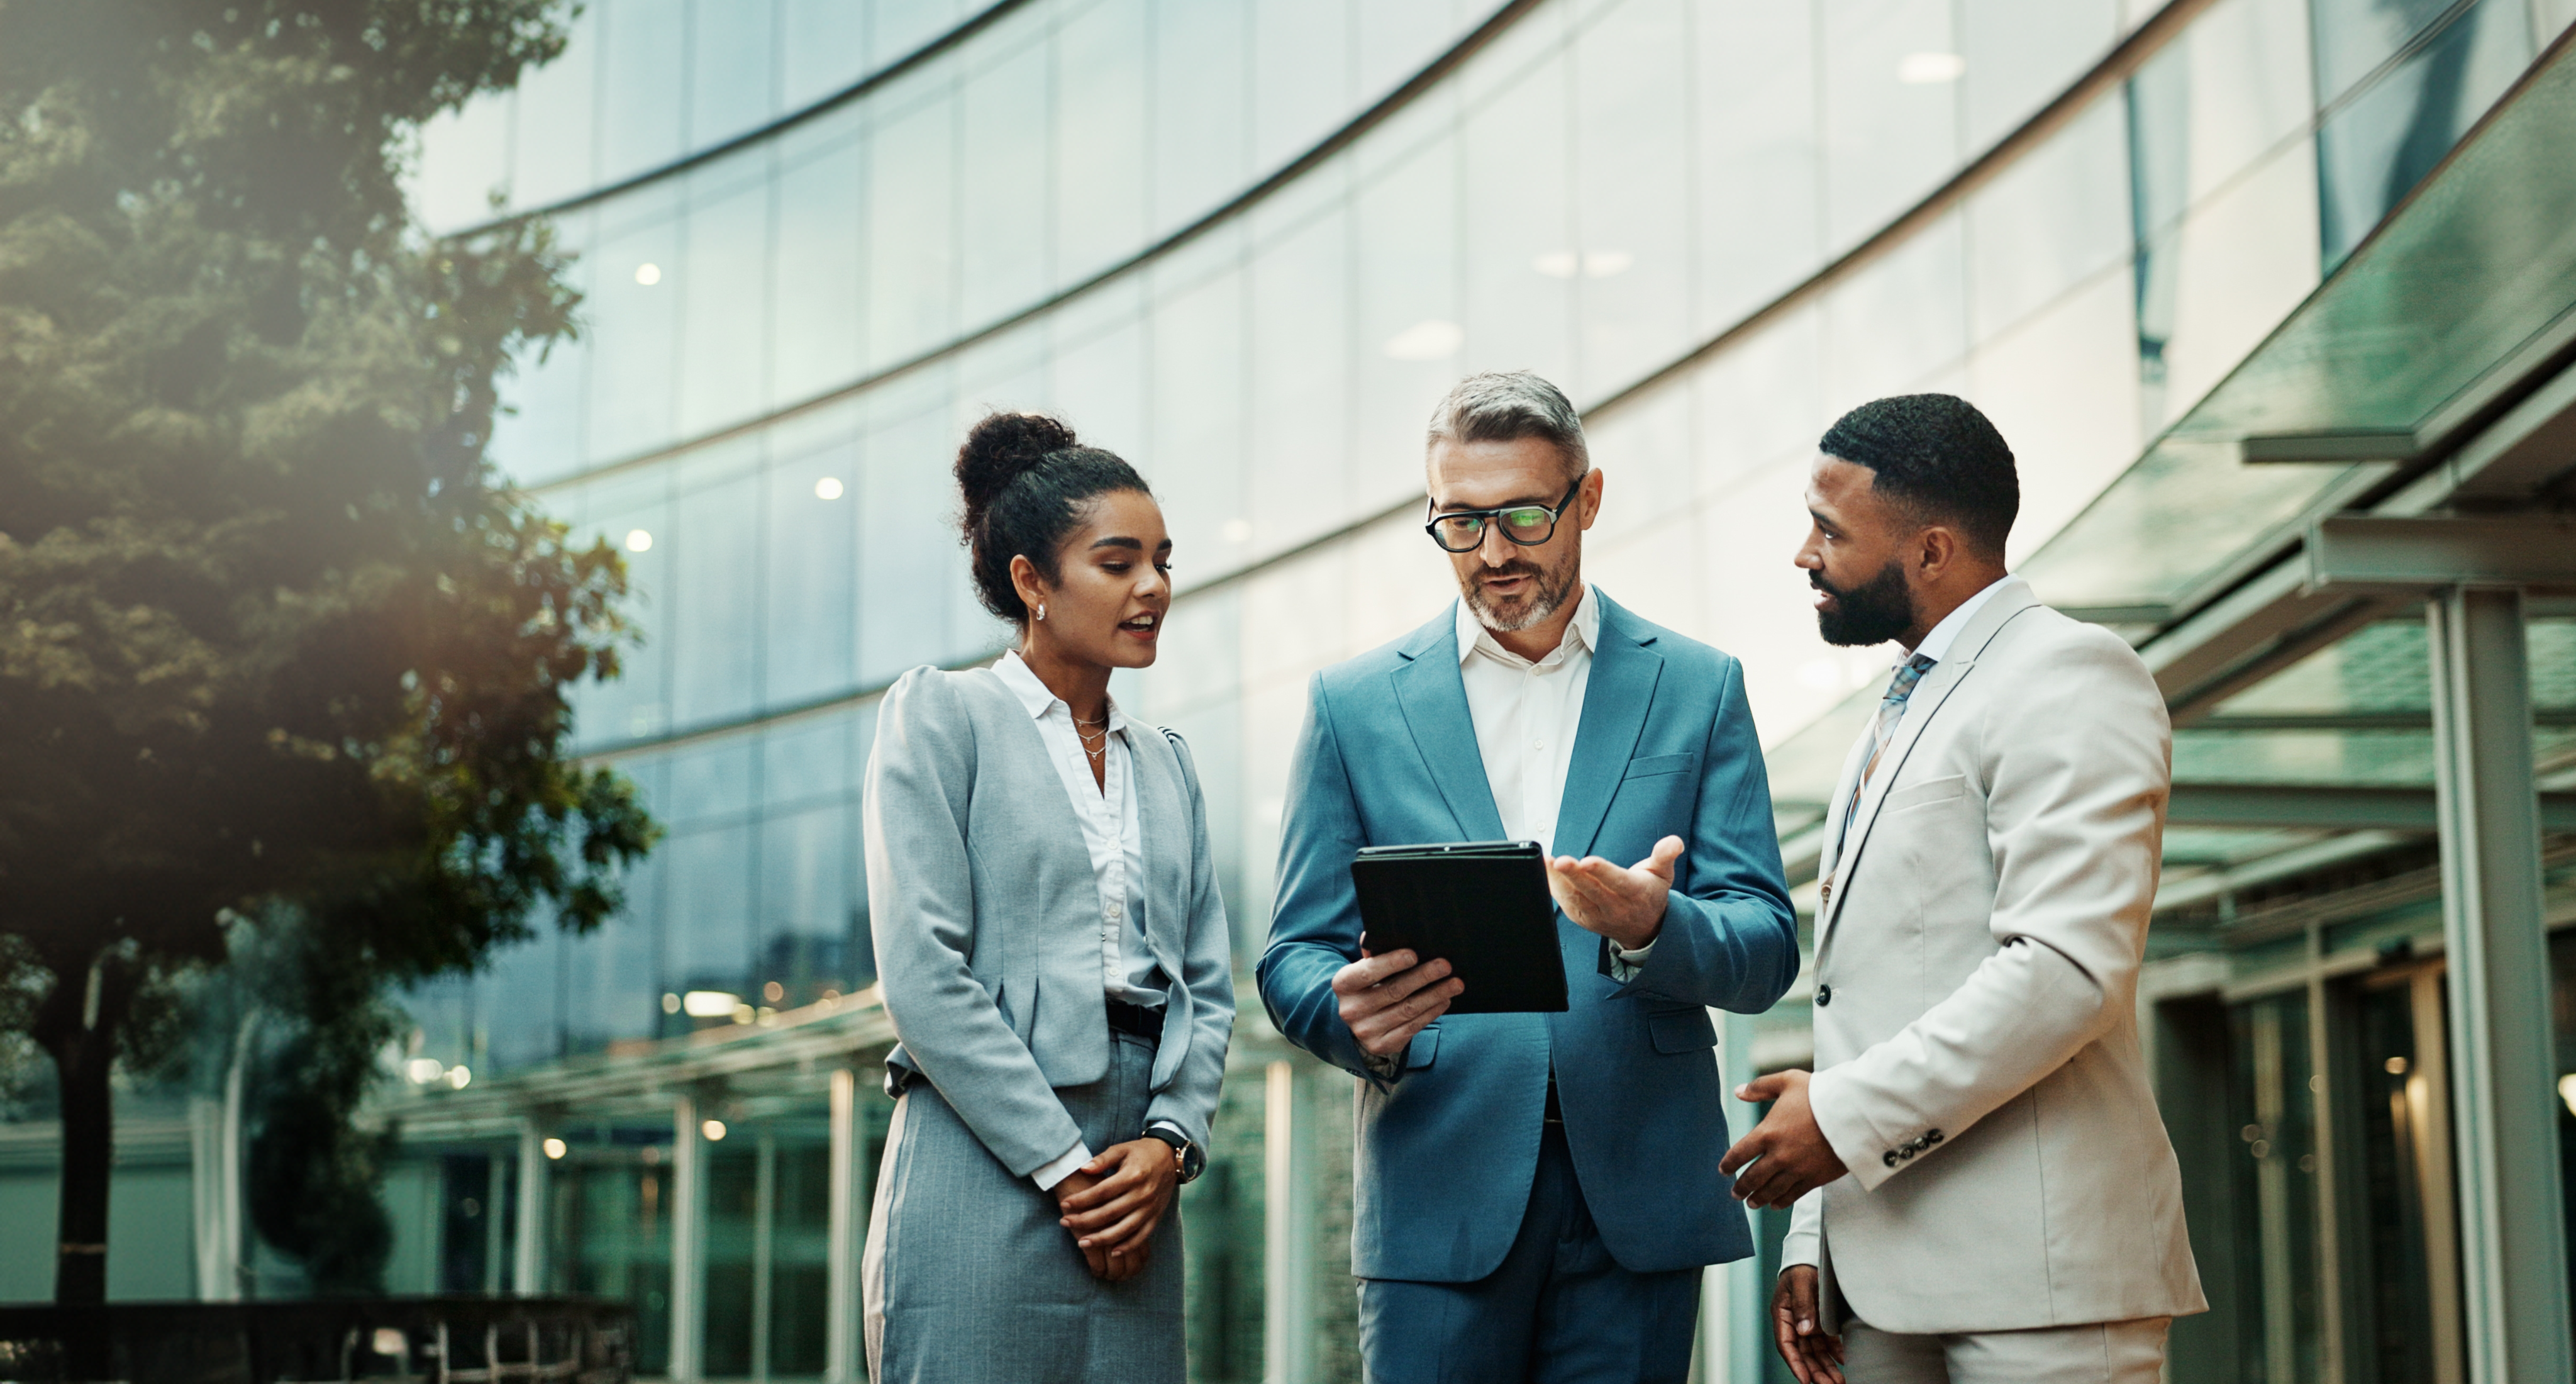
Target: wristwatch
1192, 1159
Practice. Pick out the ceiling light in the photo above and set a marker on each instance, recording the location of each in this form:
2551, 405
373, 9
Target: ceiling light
709, 1004
1429, 339
458, 1077
424, 1070
1558, 264
639, 541
1927, 69
713, 1129
1238, 530
555, 1148
648, 274
1601, 264
828, 488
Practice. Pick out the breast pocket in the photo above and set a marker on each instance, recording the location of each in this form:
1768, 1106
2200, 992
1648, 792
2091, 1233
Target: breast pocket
1658, 765
1681, 1030
1929, 793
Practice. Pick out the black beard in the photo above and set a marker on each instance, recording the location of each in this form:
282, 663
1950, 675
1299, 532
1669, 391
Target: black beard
1873, 612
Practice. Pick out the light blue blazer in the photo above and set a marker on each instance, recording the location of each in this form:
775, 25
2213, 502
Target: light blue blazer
1447, 1151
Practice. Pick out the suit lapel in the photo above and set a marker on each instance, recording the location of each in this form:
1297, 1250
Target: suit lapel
1840, 806
1434, 699
1159, 803
1920, 709
1625, 670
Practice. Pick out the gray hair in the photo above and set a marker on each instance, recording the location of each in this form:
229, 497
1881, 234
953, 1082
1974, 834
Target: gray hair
1506, 406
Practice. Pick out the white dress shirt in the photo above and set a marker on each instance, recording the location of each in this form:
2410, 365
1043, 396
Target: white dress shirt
1527, 715
1110, 829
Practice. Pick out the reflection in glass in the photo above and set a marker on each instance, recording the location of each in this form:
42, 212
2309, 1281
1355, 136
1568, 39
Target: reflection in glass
2272, 1102
2372, 152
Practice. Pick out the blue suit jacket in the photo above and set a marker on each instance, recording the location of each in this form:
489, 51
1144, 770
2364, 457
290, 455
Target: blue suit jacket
1447, 1151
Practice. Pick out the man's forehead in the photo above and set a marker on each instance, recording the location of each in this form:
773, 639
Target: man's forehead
1496, 473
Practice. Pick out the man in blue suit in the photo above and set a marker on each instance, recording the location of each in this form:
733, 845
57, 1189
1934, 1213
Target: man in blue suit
1537, 1193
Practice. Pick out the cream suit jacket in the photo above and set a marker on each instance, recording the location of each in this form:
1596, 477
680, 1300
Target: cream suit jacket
1977, 1057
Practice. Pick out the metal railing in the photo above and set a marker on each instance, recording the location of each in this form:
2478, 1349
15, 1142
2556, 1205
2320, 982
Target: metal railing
427, 1340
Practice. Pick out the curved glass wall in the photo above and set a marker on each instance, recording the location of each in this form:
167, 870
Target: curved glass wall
1595, 193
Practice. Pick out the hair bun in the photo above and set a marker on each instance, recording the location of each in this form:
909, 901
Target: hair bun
1001, 449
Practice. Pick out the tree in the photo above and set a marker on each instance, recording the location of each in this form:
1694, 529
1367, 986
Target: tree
272, 634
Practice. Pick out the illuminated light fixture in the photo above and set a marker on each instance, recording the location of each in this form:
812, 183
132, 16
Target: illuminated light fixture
1591, 264
773, 992
709, 1004
424, 1070
2567, 1091
828, 488
2396, 1066
389, 1341
639, 540
713, 1129
1238, 530
744, 1013
1429, 339
555, 1148
1930, 69
459, 1077
670, 1003
648, 274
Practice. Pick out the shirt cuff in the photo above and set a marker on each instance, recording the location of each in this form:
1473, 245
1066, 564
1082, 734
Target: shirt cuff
1625, 964
1385, 1066
1073, 1158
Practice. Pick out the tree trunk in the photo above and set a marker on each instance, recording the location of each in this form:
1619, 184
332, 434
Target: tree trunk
77, 1024
81, 1062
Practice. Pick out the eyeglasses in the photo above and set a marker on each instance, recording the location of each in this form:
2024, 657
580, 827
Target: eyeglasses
1463, 530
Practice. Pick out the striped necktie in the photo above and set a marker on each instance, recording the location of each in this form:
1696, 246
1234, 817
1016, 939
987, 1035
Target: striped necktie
1891, 710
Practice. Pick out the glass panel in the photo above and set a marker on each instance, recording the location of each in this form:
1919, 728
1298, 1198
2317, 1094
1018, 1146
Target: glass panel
2274, 1107
2403, 1157
641, 65
2022, 53
724, 287
1302, 82
908, 544
904, 25
1406, 226
633, 314
710, 884
611, 1225
1201, 143
1196, 459
809, 603
806, 921
912, 250
819, 279
734, 1212
1891, 327
2373, 151
555, 128
1517, 215
537, 436
1299, 411
1630, 255
1759, 163
1100, 138
820, 48
800, 1235
1004, 234
1891, 110
732, 57
711, 595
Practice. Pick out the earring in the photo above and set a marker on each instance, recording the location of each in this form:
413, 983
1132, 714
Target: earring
1041, 610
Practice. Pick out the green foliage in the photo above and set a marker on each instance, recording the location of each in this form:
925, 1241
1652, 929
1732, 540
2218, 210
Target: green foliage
270, 629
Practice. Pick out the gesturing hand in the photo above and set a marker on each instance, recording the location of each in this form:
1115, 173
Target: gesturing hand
1387, 999
1624, 904
1788, 1151
1798, 1330
1113, 1203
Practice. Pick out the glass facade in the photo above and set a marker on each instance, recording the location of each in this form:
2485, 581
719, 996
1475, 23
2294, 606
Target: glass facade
1247, 244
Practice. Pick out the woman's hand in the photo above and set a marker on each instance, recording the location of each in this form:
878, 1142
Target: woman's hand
1113, 1203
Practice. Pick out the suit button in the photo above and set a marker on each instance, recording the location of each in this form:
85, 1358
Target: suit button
1824, 994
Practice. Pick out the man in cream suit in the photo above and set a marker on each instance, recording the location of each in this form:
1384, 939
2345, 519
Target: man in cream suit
1983, 1189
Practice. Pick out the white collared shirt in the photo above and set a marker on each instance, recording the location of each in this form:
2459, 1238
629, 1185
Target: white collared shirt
1936, 644
1526, 715
1115, 838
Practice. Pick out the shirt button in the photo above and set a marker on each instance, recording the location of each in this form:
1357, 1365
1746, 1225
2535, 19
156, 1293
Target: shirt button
1824, 994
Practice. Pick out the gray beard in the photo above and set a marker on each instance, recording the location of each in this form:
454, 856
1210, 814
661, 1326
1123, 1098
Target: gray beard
1549, 598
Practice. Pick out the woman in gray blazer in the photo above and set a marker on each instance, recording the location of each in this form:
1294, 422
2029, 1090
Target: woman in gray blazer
1051, 947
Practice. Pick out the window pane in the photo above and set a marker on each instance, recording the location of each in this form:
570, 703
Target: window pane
1757, 157
724, 289
731, 59
555, 136
634, 314
912, 251
641, 66
1298, 483
1516, 219
1302, 80
1891, 126
811, 566
1200, 140
1630, 257
1099, 138
820, 262
2371, 153
711, 596
1005, 230
820, 49
2022, 53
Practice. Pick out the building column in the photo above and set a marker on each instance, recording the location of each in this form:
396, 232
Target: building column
1288, 1230
1735, 1304
2513, 1261
528, 1255
842, 1346
688, 1243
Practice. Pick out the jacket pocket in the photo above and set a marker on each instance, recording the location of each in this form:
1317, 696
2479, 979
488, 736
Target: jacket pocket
1423, 1050
1654, 765
1681, 1030
1947, 788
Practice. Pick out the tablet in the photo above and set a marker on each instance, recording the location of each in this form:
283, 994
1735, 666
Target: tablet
1483, 905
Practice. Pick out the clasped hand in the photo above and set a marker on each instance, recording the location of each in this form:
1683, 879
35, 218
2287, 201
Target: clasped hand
1113, 1203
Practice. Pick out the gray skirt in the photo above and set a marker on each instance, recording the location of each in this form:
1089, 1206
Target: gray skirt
968, 1277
